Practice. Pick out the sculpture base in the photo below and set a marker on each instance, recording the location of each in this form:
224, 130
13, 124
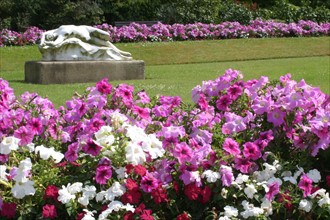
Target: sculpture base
61, 72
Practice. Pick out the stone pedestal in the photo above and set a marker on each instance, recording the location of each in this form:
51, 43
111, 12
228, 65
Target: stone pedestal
61, 72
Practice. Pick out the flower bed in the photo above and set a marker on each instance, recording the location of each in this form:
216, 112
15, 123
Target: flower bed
178, 32
243, 150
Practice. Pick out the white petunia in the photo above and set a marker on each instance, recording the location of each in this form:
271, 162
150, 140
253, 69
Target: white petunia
20, 190
75, 188
58, 156
104, 131
314, 175
121, 173
64, 196
135, 154
266, 205
88, 215
8, 144
3, 174
23, 170
325, 200
114, 191
241, 178
230, 211
30, 147
250, 190
89, 192
211, 176
305, 205
100, 196
250, 210
156, 147
224, 218
83, 200
44, 152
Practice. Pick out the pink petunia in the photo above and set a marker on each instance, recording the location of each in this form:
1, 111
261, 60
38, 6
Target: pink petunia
231, 146
182, 152
276, 116
273, 189
92, 148
103, 174
243, 165
227, 176
149, 183
223, 102
25, 135
251, 151
305, 184
142, 112
104, 87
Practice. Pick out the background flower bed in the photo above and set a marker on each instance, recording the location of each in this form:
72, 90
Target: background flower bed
178, 32
245, 149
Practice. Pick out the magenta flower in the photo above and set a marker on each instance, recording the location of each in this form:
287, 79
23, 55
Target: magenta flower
305, 184
182, 152
103, 174
149, 183
261, 104
231, 146
273, 189
242, 164
25, 135
251, 151
35, 126
92, 148
72, 153
234, 91
276, 116
142, 112
223, 102
144, 98
202, 102
103, 86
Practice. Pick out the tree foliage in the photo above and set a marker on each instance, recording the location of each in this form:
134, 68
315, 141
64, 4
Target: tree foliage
19, 14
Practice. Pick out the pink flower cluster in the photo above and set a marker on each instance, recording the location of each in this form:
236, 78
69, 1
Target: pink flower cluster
198, 31
245, 149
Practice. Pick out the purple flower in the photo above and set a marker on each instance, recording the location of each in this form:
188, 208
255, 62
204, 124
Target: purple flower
227, 176
273, 189
72, 153
92, 148
149, 183
223, 102
276, 116
243, 164
234, 123
305, 184
103, 174
251, 151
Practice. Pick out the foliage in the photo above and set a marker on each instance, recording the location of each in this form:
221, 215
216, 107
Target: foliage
245, 149
189, 11
231, 11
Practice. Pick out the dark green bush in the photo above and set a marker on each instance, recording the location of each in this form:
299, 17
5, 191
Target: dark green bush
231, 11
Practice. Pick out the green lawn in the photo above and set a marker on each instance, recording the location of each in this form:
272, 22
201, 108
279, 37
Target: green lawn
174, 68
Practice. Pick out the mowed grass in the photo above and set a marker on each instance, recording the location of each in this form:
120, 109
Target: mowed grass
174, 68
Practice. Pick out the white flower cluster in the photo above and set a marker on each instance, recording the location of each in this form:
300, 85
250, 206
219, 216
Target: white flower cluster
264, 178
142, 145
45, 153
87, 193
23, 185
8, 144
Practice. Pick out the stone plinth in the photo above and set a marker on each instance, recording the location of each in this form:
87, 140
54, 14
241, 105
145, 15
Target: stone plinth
61, 72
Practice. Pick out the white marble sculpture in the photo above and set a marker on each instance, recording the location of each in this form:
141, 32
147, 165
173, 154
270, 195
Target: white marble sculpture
70, 42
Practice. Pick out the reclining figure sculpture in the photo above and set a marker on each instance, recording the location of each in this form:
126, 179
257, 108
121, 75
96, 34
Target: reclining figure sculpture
70, 42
